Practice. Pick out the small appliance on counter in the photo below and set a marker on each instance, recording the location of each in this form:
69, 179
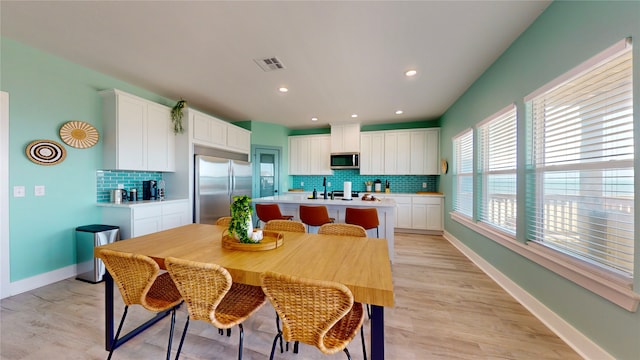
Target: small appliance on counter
149, 190
117, 196
133, 194
161, 187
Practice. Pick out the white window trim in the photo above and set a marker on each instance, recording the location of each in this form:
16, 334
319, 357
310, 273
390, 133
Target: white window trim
611, 286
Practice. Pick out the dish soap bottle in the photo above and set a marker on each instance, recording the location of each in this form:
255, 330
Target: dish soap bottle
315, 194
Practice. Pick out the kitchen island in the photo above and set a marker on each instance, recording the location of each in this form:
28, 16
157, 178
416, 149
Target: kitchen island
290, 205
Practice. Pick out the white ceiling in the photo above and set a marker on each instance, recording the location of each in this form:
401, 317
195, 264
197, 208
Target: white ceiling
340, 57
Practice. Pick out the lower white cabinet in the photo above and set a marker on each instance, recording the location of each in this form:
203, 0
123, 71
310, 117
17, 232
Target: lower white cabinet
419, 212
146, 218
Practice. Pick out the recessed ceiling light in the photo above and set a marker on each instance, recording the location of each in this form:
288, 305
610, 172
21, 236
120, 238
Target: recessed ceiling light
314, 119
354, 115
399, 112
411, 73
283, 89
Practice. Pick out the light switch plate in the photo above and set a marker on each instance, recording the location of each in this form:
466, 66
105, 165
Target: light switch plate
424, 185
39, 190
18, 191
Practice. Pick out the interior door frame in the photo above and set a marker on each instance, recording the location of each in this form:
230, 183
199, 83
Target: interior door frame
256, 168
5, 268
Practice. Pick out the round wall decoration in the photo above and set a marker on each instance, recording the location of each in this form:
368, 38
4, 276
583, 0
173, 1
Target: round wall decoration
444, 166
46, 152
79, 134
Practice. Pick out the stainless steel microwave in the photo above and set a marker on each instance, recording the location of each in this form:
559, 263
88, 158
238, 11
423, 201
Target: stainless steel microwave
345, 161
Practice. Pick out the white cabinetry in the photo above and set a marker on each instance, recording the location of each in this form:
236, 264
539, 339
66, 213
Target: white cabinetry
418, 212
137, 133
372, 153
310, 155
142, 219
400, 152
345, 138
213, 132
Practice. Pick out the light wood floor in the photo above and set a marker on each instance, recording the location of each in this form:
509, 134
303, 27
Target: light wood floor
446, 308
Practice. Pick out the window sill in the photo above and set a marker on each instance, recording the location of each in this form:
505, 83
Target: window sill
612, 287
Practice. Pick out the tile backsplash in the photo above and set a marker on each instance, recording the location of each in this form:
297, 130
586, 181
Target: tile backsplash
398, 183
107, 180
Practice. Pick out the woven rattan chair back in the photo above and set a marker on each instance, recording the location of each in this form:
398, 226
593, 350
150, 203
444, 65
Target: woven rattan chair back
224, 221
140, 282
285, 225
137, 276
318, 313
211, 296
342, 230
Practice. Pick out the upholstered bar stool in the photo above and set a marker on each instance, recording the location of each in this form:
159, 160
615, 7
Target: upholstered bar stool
315, 215
365, 217
267, 212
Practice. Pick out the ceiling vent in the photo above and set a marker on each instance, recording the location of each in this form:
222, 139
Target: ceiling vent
270, 64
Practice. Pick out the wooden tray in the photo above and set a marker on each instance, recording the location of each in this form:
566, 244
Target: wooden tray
270, 240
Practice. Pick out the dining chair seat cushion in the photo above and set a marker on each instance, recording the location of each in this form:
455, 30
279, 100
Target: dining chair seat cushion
342, 230
285, 225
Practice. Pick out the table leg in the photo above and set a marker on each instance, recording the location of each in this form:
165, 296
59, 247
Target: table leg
108, 317
377, 332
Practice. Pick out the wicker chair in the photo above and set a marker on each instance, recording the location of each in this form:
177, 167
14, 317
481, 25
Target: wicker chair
342, 230
224, 221
367, 218
138, 279
285, 225
268, 212
211, 296
345, 230
318, 313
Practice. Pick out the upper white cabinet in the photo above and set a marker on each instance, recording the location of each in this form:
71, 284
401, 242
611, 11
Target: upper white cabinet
400, 152
310, 155
345, 138
137, 133
372, 153
210, 131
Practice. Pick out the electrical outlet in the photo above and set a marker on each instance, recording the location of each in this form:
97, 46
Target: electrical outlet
39, 190
329, 184
301, 183
18, 191
424, 185
120, 186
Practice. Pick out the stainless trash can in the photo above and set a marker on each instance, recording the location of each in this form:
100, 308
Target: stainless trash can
88, 237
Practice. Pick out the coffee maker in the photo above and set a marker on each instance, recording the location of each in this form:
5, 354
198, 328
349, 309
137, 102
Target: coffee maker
149, 190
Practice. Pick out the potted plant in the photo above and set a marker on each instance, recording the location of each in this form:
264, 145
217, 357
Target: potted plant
176, 116
241, 226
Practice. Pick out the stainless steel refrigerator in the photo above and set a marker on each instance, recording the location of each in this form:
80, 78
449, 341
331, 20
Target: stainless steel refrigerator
217, 181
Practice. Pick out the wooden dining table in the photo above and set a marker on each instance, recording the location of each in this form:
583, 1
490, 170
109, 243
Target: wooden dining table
361, 264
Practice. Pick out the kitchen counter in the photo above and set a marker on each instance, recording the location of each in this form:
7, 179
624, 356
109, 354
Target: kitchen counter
130, 204
303, 199
386, 208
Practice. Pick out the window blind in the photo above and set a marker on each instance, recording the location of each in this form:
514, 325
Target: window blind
582, 157
463, 172
497, 164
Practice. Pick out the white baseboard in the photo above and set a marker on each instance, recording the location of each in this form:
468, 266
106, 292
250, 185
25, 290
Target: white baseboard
574, 338
34, 282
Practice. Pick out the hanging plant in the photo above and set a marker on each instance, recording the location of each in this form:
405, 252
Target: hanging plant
176, 116
241, 226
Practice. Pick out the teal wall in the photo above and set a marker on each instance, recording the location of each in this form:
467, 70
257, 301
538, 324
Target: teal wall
565, 35
44, 93
272, 136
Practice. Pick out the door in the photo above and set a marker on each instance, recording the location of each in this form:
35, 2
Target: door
267, 170
240, 178
4, 195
